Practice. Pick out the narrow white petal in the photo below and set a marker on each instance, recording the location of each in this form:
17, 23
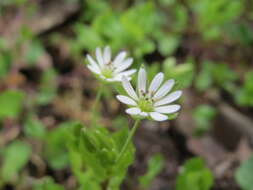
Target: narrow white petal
124, 65
119, 58
168, 109
158, 117
99, 57
169, 98
126, 100
126, 73
164, 89
128, 88
143, 114
93, 69
142, 81
107, 54
133, 111
92, 62
156, 82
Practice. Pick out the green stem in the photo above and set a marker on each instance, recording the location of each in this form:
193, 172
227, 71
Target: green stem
97, 99
131, 134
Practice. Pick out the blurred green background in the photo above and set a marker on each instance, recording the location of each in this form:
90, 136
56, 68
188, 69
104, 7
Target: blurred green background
206, 45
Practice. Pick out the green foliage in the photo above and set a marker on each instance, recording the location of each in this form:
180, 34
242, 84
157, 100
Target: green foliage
47, 88
155, 165
203, 115
56, 140
216, 74
15, 157
34, 52
47, 183
244, 95
131, 29
34, 128
182, 73
212, 16
195, 175
244, 174
93, 153
11, 103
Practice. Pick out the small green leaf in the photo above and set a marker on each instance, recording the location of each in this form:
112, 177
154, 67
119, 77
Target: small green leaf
244, 174
155, 165
195, 175
34, 128
15, 157
47, 183
11, 103
203, 115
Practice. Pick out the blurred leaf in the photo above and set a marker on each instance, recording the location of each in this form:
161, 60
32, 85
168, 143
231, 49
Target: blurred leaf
195, 175
11, 103
47, 183
5, 63
34, 52
203, 115
34, 128
244, 94
57, 140
155, 165
47, 88
182, 73
15, 157
204, 79
168, 44
244, 174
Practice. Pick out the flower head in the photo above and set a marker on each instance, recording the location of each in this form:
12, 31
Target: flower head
109, 70
152, 102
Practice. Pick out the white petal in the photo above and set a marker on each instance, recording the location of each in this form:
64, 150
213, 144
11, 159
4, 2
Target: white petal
143, 114
128, 88
156, 82
92, 62
119, 58
99, 57
142, 81
133, 111
168, 109
158, 117
93, 69
126, 100
124, 65
164, 89
107, 54
170, 98
125, 73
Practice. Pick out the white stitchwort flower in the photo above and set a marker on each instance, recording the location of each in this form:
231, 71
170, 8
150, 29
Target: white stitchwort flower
110, 70
152, 101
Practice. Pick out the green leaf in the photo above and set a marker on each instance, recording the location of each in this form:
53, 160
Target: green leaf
244, 174
203, 115
34, 128
204, 79
11, 103
182, 73
155, 165
195, 175
47, 183
35, 51
15, 157
47, 88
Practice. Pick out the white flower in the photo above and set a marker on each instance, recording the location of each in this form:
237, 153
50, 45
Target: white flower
109, 70
152, 102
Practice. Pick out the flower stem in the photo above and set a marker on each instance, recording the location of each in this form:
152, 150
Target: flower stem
94, 108
131, 134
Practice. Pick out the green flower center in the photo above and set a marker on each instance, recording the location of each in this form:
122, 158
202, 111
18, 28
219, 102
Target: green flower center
146, 105
107, 72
